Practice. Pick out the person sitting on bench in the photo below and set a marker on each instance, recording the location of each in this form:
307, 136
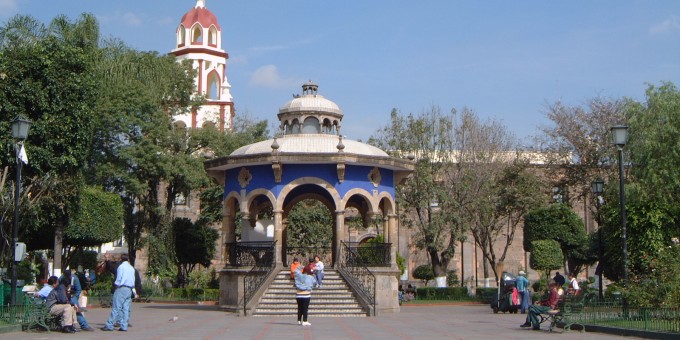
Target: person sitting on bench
58, 303
542, 307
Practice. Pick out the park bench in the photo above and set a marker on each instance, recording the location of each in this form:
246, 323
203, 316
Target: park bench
567, 313
38, 315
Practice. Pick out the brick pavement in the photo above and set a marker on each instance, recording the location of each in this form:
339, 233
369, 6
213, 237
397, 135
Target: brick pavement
152, 321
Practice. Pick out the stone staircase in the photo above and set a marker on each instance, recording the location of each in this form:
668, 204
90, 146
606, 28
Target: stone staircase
334, 298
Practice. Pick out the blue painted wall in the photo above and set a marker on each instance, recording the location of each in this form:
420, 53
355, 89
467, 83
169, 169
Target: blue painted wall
355, 177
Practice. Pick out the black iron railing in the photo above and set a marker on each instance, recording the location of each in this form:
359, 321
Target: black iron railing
263, 266
242, 254
352, 266
304, 253
372, 254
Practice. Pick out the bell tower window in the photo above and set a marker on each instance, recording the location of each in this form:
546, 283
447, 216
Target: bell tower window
212, 36
181, 36
213, 86
197, 35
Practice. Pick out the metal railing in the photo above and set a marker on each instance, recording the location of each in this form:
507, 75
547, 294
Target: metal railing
615, 314
372, 254
352, 266
263, 266
243, 254
304, 253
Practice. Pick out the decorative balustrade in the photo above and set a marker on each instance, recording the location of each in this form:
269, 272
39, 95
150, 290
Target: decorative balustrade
262, 254
243, 254
352, 266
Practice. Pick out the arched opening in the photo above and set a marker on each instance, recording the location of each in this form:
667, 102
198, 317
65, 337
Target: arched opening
197, 35
181, 36
213, 86
212, 36
311, 125
309, 225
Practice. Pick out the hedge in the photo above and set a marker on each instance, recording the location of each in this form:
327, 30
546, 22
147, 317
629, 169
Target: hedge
442, 293
486, 295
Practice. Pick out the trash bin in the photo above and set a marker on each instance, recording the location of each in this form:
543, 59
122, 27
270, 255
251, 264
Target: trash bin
7, 291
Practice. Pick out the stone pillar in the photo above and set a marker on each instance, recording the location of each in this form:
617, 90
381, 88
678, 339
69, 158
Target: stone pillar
278, 237
392, 225
339, 234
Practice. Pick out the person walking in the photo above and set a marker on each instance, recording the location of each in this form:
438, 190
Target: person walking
122, 297
304, 283
522, 285
318, 272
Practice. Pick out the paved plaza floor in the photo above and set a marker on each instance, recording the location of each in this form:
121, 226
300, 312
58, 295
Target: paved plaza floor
154, 321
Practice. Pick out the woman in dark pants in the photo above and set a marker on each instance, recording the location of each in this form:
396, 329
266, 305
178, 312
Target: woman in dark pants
304, 283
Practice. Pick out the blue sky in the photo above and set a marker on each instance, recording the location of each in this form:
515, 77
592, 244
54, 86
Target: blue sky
503, 59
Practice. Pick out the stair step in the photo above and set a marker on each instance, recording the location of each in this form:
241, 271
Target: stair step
333, 299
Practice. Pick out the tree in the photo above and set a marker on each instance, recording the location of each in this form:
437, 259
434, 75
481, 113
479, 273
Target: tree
46, 76
654, 127
424, 273
194, 244
425, 204
546, 256
492, 204
309, 225
578, 144
560, 223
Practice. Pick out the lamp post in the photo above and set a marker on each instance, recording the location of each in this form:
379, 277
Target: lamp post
598, 188
619, 138
20, 126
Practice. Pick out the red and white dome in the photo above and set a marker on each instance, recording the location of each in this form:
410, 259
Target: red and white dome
201, 15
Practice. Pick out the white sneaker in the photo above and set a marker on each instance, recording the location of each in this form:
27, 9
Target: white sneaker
306, 323
299, 322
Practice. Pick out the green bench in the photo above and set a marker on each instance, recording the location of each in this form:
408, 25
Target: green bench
567, 313
37, 315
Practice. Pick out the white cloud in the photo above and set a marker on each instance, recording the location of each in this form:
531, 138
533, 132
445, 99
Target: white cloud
268, 76
132, 19
668, 25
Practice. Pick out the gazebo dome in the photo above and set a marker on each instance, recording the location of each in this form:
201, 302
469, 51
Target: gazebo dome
310, 144
310, 113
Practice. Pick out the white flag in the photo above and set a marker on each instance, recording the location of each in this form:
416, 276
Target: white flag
22, 154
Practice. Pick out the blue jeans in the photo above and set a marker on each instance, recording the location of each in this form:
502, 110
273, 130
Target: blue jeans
81, 318
120, 308
526, 297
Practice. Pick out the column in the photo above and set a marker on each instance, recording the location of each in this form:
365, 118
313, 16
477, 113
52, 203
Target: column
339, 234
278, 236
392, 224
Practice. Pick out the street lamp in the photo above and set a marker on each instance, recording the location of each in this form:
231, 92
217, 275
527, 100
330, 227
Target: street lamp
20, 126
598, 189
619, 138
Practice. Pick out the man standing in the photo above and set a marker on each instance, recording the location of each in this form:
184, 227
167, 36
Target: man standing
122, 297
522, 285
559, 279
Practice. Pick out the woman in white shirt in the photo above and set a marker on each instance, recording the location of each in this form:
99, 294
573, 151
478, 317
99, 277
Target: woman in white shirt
319, 273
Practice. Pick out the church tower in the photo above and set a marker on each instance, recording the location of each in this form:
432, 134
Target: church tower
199, 39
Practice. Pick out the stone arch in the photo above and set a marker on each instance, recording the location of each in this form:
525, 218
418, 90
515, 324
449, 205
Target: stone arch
363, 193
308, 180
386, 202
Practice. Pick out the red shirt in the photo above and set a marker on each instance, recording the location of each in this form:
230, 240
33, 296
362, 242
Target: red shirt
552, 299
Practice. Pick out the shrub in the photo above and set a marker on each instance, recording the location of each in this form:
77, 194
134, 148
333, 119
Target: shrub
486, 294
424, 272
452, 278
442, 293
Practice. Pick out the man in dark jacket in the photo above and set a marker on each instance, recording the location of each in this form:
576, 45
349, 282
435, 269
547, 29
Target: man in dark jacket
58, 304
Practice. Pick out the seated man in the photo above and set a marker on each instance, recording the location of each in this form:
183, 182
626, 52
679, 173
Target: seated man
58, 303
47, 288
542, 307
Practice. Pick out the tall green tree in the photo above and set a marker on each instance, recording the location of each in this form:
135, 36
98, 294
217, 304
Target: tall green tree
47, 77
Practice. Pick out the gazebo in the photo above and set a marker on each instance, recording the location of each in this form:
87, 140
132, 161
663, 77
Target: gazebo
308, 159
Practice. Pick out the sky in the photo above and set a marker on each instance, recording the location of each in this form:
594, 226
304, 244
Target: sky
505, 60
